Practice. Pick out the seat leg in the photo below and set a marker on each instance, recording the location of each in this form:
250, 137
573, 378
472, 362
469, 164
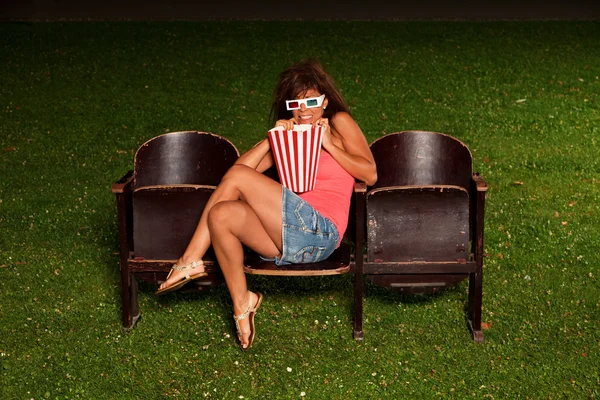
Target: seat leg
126, 298
129, 298
474, 310
134, 303
358, 303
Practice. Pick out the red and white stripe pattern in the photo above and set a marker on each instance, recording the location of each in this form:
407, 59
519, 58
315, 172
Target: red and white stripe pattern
296, 154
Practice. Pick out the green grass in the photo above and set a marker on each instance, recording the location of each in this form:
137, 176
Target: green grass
77, 99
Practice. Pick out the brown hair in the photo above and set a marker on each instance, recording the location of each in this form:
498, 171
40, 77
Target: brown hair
297, 79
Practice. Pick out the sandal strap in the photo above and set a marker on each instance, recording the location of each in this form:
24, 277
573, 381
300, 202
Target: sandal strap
191, 265
245, 314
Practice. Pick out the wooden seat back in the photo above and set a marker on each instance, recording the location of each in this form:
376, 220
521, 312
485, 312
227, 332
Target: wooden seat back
419, 208
192, 158
419, 158
174, 176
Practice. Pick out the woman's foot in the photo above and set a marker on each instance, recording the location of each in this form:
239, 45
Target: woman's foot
180, 274
244, 320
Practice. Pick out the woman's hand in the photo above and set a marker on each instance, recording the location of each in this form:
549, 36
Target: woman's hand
324, 122
287, 124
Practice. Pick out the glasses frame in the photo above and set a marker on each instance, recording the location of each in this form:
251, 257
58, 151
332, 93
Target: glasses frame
319, 100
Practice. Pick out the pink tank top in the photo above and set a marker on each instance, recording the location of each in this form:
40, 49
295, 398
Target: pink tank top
332, 193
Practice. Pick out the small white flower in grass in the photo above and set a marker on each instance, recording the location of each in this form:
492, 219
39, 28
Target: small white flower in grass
374, 373
289, 369
241, 397
302, 394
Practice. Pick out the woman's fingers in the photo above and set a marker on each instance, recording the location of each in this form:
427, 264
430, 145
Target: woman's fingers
286, 123
323, 122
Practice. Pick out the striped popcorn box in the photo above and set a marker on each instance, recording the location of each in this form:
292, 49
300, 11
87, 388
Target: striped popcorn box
296, 154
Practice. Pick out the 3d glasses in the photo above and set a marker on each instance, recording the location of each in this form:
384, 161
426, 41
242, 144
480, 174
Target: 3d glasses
311, 102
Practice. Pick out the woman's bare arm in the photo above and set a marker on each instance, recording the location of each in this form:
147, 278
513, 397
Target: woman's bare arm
354, 155
259, 157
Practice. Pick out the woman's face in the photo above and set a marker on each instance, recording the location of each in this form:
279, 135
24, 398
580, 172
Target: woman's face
305, 115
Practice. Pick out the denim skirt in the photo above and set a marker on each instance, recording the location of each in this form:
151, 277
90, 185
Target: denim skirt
307, 236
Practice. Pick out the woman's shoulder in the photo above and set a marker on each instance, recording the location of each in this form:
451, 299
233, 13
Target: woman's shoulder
342, 117
344, 124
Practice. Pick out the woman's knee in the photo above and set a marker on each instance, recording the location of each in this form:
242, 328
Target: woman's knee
224, 214
238, 173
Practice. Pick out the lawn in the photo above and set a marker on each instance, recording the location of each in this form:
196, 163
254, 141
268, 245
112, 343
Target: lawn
77, 99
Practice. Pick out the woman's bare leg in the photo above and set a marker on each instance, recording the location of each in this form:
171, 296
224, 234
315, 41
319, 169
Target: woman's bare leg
255, 221
231, 224
240, 182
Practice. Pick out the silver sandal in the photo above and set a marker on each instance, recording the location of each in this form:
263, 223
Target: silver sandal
184, 279
250, 312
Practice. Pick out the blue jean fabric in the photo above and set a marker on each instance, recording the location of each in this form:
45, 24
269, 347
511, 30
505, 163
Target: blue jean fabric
307, 236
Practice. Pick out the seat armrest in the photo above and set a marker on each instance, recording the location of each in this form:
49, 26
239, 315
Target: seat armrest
123, 190
360, 196
360, 187
124, 183
479, 182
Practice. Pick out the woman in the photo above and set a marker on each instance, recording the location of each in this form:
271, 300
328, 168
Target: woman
250, 209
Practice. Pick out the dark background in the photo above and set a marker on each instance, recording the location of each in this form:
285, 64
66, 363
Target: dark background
56, 10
